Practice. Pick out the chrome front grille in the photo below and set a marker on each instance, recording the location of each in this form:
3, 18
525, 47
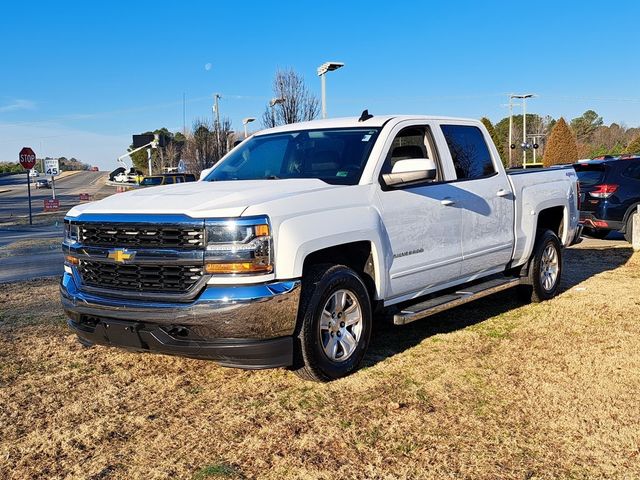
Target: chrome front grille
142, 236
177, 279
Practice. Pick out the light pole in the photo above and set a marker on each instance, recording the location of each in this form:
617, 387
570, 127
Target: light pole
245, 122
216, 120
272, 103
523, 97
322, 72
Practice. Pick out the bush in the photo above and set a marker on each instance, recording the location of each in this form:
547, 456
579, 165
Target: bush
561, 147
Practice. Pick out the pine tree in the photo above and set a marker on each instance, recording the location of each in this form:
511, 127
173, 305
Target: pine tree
634, 146
496, 140
561, 147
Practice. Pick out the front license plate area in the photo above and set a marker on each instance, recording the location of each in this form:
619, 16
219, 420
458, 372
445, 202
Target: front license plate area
121, 334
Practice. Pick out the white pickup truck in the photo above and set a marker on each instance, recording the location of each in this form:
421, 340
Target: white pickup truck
280, 255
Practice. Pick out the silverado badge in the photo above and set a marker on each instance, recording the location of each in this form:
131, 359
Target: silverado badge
120, 255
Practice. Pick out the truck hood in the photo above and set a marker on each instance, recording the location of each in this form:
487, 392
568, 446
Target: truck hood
202, 199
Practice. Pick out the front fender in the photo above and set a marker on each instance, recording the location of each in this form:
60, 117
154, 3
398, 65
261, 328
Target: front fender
302, 235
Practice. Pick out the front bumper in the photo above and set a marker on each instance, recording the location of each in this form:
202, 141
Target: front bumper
248, 326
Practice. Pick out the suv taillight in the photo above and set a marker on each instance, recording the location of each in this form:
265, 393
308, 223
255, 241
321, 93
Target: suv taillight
603, 191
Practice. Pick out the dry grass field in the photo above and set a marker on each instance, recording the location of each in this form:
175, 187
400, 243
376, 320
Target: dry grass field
492, 390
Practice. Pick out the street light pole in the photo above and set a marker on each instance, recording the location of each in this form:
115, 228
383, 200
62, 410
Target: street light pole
322, 71
272, 103
245, 122
323, 87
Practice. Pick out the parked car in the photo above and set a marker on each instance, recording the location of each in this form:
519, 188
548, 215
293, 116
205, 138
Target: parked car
167, 179
279, 256
43, 183
609, 195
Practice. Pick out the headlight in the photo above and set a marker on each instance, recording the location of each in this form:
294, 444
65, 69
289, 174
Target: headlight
71, 233
242, 246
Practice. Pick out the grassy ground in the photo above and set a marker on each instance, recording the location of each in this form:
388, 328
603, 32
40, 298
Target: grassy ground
493, 390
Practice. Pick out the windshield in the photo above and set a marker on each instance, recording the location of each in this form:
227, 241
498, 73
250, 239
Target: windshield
336, 156
151, 181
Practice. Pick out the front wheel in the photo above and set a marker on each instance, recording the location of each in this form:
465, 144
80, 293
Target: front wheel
334, 323
545, 270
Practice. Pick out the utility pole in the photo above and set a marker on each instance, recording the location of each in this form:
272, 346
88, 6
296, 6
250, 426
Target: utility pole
510, 130
523, 97
216, 108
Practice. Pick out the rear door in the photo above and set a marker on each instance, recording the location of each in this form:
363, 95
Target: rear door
486, 200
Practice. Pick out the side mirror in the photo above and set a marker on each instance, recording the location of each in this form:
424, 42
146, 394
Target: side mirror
205, 172
411, 170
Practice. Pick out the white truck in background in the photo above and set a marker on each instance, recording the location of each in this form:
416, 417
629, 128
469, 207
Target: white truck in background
282, 253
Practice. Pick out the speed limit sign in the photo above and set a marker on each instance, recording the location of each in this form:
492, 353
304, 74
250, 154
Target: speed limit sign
51, 167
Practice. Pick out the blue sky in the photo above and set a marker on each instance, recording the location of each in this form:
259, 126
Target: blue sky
78, 78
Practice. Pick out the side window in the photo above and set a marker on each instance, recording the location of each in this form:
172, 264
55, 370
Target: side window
632, 171
410, 142
168, 180
469, 151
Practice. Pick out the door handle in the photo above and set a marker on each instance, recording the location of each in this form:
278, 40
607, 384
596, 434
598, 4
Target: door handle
502, 193
447, 202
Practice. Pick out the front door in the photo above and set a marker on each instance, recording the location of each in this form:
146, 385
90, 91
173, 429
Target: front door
423, 221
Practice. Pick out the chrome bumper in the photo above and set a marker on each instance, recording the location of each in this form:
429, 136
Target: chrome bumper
262, 311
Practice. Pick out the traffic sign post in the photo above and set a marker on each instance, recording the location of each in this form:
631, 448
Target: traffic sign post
27, 158
52, 167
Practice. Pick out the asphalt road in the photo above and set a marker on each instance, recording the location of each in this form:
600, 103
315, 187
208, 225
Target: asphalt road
14, 199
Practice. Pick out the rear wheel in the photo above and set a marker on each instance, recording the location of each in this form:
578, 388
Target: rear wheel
334, 323
545, 270
628, 231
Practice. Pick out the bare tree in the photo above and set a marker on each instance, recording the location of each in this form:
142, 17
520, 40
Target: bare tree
299, 104
206, 144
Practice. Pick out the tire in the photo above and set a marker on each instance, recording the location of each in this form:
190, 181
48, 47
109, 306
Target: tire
543, 286
628, 231
328, 348
600, 234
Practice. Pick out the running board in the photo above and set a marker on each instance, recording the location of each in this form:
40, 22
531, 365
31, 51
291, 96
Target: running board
447, 301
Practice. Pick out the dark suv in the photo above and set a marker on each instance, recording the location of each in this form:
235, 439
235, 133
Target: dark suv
609, 194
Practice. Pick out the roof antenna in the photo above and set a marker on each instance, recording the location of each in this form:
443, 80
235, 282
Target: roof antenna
365, 116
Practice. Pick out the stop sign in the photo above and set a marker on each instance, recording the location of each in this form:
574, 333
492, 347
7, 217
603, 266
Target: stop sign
27, 158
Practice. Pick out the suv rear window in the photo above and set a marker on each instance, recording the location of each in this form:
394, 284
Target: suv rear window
589, 174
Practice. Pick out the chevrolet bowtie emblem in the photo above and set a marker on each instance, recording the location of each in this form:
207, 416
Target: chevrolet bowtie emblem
119, 255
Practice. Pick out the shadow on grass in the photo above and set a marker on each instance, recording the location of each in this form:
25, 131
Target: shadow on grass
579, 265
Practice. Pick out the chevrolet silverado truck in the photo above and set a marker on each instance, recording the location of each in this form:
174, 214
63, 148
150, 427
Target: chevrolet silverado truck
281, 254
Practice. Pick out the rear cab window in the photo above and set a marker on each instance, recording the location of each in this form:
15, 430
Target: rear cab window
469, 152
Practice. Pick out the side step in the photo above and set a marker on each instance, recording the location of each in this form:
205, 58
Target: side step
450, 300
